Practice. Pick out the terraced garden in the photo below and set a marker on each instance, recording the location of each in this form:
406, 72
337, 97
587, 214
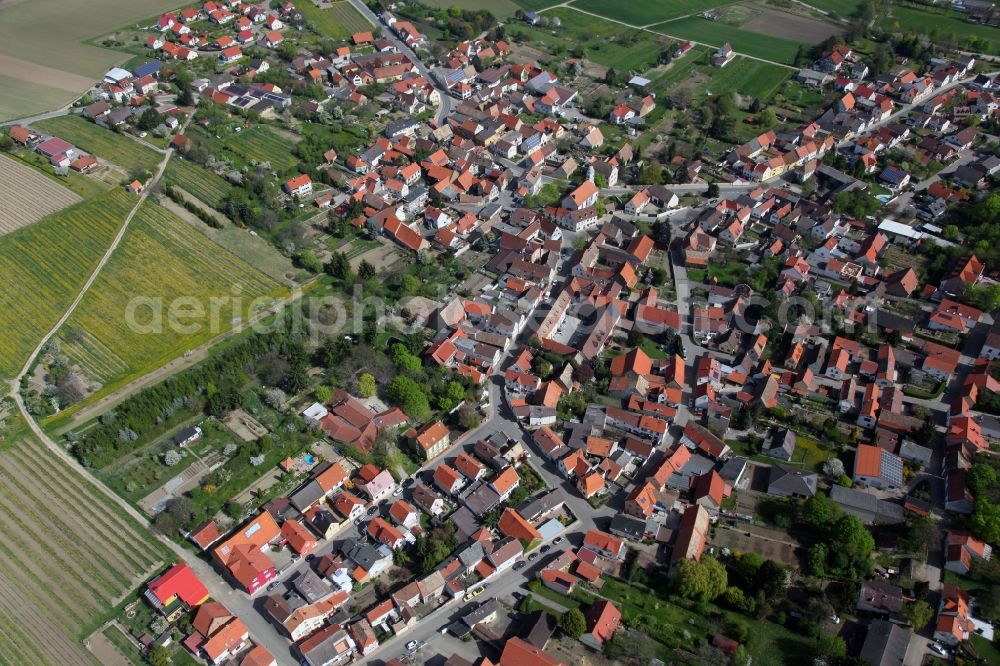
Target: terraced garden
166, 289
68, 555
196, 181
43, 267
118, 149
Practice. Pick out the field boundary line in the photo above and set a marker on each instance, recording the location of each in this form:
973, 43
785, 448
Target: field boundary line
568, 5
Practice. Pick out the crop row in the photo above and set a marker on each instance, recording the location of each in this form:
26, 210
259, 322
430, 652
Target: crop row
43, 266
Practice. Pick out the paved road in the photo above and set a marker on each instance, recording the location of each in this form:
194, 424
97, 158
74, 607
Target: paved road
237, 602
444, 109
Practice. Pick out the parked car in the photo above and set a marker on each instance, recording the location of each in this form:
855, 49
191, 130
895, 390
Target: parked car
411, 645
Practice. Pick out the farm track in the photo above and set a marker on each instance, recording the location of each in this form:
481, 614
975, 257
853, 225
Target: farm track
112, 520
65, 651
120, 556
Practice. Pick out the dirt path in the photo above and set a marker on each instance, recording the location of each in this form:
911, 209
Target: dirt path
664, 34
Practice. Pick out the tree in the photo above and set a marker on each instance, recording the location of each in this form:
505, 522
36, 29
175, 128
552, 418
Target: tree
738, 600
573, 623
833, 468
366, 271
830, 646
767, 118
819, 511
323, 393
986, 520
713, 190
701, 581
771, 580
411, 397
816, 559
148, 120
917, 613
338, 266
366, 385
468, 416
171, 458
159, 656
308, 260
981, 477
854, 545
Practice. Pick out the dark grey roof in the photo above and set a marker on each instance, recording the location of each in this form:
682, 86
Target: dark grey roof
484, 610
480, 498
306, 496
628, 527
363, 554
792, 481
866, 507
538, 629
542, 504
781, 440
733, 468
465, 523
312, 587
472, 554
885, 644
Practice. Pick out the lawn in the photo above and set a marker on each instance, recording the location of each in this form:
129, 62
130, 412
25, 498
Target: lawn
259, 144
743, 41
535, 5
197, 181
646, 12
748, 77
600, 41
60, 570
166, 290
44, 266
121, 150
809, 453
324, 21
943, 25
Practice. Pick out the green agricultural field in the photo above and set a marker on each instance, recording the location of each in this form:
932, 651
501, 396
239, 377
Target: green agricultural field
45, 265
843, 8
941, 26
600, 41
499, 8
121, 150
743, 41
324, 21
123, 327
646, 12
23, 98
748, 77
259, 144
43, 59
61, 570
350, 17
535, 5
198, 182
